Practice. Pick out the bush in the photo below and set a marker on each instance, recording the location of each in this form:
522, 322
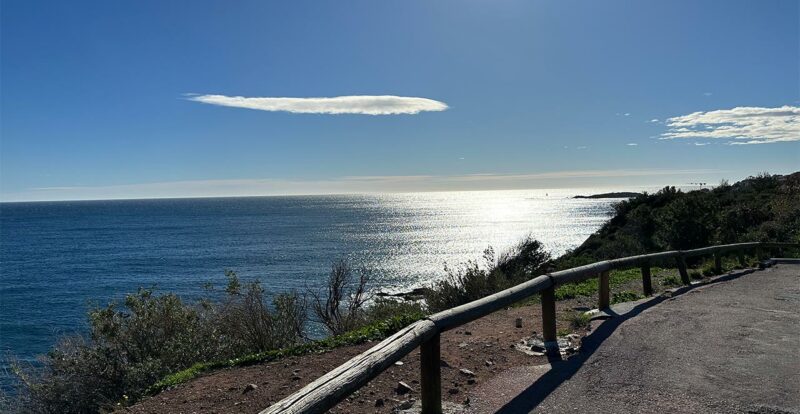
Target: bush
387, 308
247, 324
342, 308
133, 344
469, 281
760, 208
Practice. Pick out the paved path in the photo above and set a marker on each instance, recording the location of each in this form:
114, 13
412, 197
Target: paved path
732, 346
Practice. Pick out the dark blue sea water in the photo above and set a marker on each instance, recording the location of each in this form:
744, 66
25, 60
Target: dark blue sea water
58, 259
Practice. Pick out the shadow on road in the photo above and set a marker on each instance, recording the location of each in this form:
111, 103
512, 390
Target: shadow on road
563, 370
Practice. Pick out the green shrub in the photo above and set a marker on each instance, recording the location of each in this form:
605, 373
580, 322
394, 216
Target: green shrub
760, 208
469, 281
625, 296
372, 332
387, 308
671, 280
133, 344
696, 275
579, 320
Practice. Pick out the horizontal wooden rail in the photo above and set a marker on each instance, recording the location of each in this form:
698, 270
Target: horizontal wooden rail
333, 387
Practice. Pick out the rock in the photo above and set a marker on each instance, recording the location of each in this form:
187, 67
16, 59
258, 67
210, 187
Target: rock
405, 405
453, 391
471, 381
443, 364
518, 323
466, 401
466, 372
399, 363
463, 345
403, 388
379, 402
467, 332
414, 294
489, 363
249, 387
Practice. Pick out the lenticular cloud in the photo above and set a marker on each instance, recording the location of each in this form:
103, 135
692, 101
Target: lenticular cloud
740, 125
362, 104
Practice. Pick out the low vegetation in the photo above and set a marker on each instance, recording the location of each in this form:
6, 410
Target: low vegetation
152, 341
470, 281
762, 208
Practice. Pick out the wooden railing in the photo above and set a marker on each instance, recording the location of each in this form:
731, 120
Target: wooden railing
336, 385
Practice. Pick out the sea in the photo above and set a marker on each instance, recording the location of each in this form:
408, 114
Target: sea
60, 259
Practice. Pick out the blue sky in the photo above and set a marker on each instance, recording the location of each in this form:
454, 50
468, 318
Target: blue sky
108, 99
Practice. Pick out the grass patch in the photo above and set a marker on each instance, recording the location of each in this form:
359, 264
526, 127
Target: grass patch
590, 287
625, 296
579, 320
671, 280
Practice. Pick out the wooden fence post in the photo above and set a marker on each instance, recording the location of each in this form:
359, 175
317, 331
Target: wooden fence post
431, 376
605, 292
647, 281
718, 263
549, 318
682, 270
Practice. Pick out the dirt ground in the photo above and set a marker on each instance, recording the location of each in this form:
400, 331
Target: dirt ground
485, 347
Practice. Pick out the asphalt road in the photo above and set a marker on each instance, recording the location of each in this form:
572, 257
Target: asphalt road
732, 346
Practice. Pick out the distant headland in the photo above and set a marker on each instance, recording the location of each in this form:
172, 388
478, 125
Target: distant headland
623, 194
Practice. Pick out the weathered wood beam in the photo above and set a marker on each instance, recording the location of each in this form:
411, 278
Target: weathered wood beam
431, 376
549, 315
647, 280
322, 394
682, 270
604, 294
460, 315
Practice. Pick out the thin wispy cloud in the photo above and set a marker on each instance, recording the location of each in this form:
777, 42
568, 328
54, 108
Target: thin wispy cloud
632, 144
357, 104
738, 126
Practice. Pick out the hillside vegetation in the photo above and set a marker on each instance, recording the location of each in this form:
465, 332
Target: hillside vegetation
761, 208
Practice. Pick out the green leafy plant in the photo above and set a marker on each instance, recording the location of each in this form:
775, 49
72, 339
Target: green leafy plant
625, 296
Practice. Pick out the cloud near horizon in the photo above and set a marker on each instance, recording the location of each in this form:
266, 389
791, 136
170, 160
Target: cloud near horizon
739, 126
358, 184
357, 104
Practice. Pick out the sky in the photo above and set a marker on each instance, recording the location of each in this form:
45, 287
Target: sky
138, 99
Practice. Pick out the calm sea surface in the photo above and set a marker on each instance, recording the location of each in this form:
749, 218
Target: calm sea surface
58, 259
